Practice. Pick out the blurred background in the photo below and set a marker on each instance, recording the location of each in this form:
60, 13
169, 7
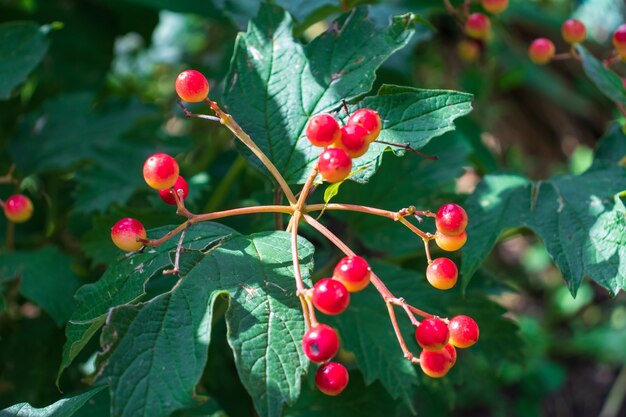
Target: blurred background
103, 95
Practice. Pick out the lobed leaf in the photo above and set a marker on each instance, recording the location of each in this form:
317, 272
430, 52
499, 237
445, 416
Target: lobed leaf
66, 407
609, 83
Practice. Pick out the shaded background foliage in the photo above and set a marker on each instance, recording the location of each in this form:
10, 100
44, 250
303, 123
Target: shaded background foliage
93, 98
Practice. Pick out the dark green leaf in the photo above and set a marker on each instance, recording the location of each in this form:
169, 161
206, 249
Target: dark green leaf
62, 408
609, 83
22, 46
46, 279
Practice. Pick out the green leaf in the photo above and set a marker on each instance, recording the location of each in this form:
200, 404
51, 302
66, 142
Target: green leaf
22, 47
275, 84
580, 219
46, 279
62, 408
609, 83
159, 348
124, 282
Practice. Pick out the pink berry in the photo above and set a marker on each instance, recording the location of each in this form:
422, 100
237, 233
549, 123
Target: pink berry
323, 130
353, 140
442, 273
469, 50
160, 171
450, 243
126, 232
436, 364
369, 120
541, 51
331, 378
463, 331
353, 272
495, 6
18, 208
573, 31
320, 343
478, 26
330, 296
168, 195
452, 351
432, 334
451, 219
192, 86
334, 164
619, 37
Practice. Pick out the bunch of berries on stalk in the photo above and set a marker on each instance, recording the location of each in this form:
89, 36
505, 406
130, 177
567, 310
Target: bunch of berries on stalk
438, 337
342, 144
17, 208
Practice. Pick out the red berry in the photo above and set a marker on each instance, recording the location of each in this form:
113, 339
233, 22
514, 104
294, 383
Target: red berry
323, 130
463, 331
450, 243
168, 196
573, 31
354, 272
436, 364
369, 120
451, 219
477, 26
442, 273
18, 208
331, 378
334, 164
495, 6
619, 37
192, 86
160, 171
541, 51
432, 334
468, 50
126, 232
452, 351
320, 343
330, 296
354, 140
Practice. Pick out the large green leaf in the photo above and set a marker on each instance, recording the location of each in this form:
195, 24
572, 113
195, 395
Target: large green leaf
160, 347
609, 83
62, 408
580, 219
22, 46
124, 282
45, 278
275, 84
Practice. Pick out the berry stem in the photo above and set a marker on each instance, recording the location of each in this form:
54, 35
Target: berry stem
396, 328
408, 147
427, 250
190, 115
8, 177
179, 247
180, 204
228, 121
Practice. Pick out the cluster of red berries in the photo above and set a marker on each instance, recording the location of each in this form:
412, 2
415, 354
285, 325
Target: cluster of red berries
331, 296
542, 50
342, 144
439, 339
161, 172
18, 208
477, 27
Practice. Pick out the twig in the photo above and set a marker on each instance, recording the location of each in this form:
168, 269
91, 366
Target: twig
179, 247
190, 115
408, 147
345, 107
278, 199
8, 177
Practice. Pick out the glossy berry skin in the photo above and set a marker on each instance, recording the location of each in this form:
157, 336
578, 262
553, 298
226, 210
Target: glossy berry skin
334, 164
463, 331
192, 86
451, 219
468, 50
160, 171
573, 31
168, 195
331, 378
368, 119
619, 37
18, 208
450, 243
354, 140
353, 272
125, 233
495, 6
432, 334
541, 51
330, 296
452, 352
323, 130
320, 343
436, 364
477, 26
442, 273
